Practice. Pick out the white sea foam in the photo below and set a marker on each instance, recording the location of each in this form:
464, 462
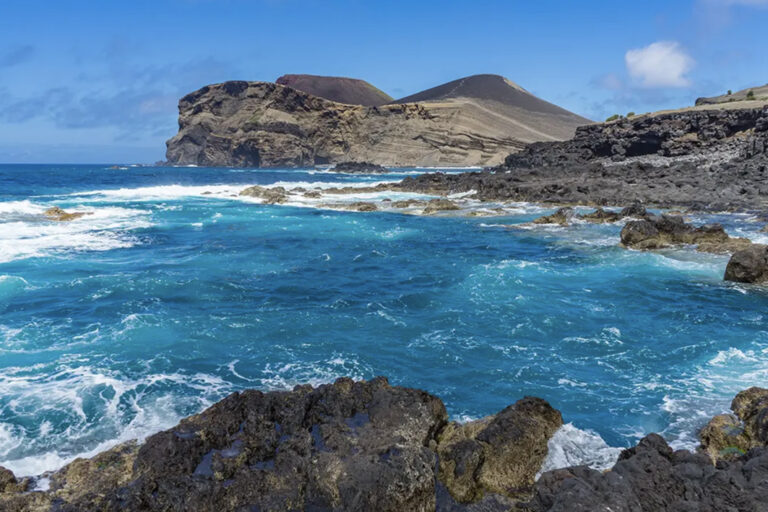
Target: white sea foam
103, 229
571, 446
126, 411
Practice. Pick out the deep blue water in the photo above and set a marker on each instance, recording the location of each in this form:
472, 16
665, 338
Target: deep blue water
174, 294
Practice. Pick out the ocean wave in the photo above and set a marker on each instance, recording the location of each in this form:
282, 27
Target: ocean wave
571, 446
104, 229
89, 405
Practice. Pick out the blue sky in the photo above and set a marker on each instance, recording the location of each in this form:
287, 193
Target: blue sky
84, 81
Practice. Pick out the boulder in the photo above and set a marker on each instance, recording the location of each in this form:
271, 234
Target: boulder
500, 454
749, 265
730, 436
633, 210
659, 231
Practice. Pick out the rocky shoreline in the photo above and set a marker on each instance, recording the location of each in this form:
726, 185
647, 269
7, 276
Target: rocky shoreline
373, 446
705, 160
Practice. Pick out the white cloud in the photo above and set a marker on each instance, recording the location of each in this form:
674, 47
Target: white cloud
660, 64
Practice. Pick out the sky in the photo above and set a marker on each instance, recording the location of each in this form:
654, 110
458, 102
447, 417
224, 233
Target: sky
99, 82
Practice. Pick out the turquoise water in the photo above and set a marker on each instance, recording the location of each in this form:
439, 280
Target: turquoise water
173, 294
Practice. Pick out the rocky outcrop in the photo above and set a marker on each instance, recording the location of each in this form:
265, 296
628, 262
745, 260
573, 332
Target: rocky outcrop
372, 446
563, 216
273, 195
360, 167
651, 477
344, 446
440, 205
749, 265
261, 124
702, 159
660, 231
59, 215
731, 436
500, 454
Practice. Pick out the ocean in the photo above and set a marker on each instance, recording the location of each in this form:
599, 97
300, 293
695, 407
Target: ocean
175, 292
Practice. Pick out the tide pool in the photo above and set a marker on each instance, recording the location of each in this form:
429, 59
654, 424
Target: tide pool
176, 292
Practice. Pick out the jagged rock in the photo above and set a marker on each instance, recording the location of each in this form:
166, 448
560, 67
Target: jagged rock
500, 454
731, 436
562, 216
440, 205
702, 160
749, 265
313, 194
634, 210
601, 216
360, 167
651, 477
275, 195
343, 446
60, 215
657, 232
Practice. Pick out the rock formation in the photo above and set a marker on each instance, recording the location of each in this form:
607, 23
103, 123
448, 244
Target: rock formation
749, 265
346, 446
360, 167
703, 159
261, 124
660, 231
372, 446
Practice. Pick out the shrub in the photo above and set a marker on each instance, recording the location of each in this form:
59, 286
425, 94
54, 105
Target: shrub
751, 95
613, 118
730, 92
630, 114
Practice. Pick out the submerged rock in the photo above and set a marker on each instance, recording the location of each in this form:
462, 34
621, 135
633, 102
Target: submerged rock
749, 265
60, 215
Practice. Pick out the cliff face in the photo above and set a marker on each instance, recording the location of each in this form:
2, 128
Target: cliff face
260, 124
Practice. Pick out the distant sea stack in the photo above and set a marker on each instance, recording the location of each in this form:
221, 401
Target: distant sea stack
474, 121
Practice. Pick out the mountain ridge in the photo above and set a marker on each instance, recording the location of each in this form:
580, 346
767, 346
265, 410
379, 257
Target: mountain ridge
264, 124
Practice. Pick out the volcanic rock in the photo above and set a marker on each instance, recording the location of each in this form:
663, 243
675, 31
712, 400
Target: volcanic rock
360, 167
749, 265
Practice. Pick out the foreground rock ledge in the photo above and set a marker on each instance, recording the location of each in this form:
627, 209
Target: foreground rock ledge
371, 446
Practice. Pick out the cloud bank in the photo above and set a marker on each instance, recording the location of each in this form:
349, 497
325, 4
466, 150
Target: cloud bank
660, 64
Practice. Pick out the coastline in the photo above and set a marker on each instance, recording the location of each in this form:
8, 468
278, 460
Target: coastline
336, 445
